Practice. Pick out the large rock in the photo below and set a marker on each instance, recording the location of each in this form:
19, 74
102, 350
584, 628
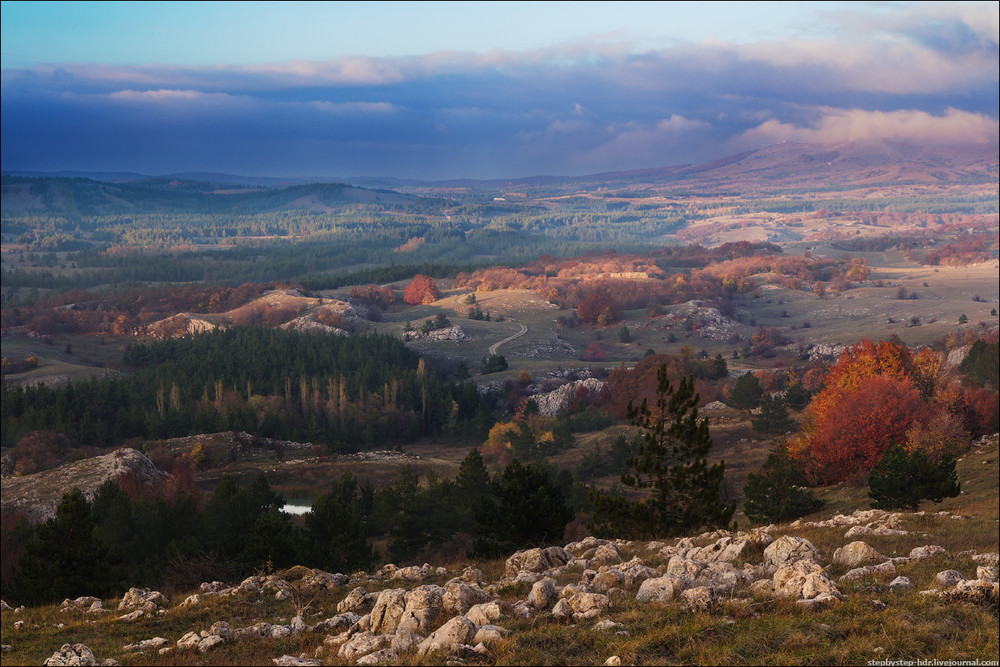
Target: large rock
634, 576
947, 578
700, 598
788, 549
458, 630
72, 654
720, 576
144, 599
857, 554
459, 597
803, 579
607, 579
583, 606
661, 589
486, 613
536, 560
388, 610
974, 591
883, 570
361, 644
424, 606
358, 600
606, 554
927, 551
684, 567
543, 594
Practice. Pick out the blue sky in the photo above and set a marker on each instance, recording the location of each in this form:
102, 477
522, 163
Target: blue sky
445, 90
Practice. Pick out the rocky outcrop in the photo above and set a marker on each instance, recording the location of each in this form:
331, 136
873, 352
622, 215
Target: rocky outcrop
536, 560
39, 494
550, 403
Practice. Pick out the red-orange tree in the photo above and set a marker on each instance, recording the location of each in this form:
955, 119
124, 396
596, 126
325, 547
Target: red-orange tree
871, 396
421, 290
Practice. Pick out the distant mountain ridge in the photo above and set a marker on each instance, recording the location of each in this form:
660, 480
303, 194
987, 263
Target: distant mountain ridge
776, 168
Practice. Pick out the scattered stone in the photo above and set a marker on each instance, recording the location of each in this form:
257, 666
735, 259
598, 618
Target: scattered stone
361, 644
388, 611
987, 559
81, 604
536, 560
489, 634
974, 591
700, 598
613, 661
485, 613
986, 573
191, 600
144, 599
458, 630
385, 656
132, 616
901, 583
821, 601
292, 661
424, 606
788, 549
857, 554
459, 597
661, 589
72, 654
804, 579
927, 551
606, 554
356, 601
146, 644
886, 569
543, 594
947, 578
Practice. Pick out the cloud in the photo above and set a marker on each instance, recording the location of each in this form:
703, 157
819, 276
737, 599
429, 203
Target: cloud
837, 126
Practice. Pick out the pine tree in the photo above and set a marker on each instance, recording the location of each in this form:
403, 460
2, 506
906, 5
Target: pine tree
685, 493
796, 396
775, 493
903, 480
773, 418
746, 393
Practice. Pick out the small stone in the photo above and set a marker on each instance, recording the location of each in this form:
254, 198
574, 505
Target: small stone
947, 578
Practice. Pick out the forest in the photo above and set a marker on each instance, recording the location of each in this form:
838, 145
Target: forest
345, 392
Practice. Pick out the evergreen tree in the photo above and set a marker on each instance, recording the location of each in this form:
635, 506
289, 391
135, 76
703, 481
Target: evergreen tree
903, 480
796, 396
773, 418
624, 335
775, 493
335, 529
746, 393
525, 507
62, 558
685, 493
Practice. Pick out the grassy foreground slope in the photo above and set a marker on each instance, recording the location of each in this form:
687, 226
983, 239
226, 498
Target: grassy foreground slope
872, 622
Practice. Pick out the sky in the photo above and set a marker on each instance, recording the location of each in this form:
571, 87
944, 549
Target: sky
437, 90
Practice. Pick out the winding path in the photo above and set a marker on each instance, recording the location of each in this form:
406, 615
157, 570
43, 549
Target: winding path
496, 345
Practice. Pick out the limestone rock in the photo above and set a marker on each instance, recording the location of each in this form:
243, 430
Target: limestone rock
607, 579
821, 601
460, 597
857, 554
458, 630
926, 551
423, 607
144, 599
803, 579
886, 569
361, 644
292, 661
986, 573
355, 601
543, 594
947, 578
536, 560
388, 610
720, 576
209, 642
606, 554
72, 654
700, 598
81, 604
901, 583
661, 589
788, 549
489, 634
485, 613
146, 644
636, 575
974, 591
385, 656
588, 605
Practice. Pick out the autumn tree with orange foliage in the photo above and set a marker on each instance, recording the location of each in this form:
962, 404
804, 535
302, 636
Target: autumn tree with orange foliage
421, 290
873, 394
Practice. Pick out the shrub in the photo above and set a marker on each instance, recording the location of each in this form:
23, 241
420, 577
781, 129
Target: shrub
903, 480
494, 364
